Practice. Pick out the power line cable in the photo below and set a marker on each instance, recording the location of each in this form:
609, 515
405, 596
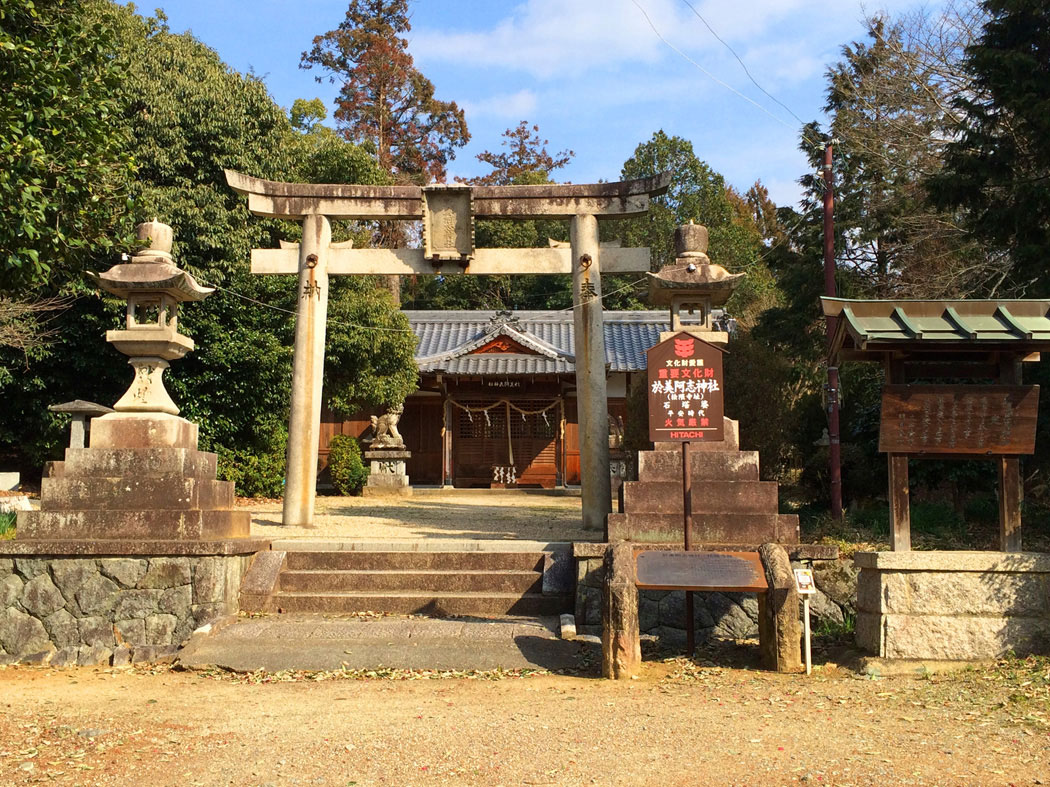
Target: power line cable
726, 85
741, 62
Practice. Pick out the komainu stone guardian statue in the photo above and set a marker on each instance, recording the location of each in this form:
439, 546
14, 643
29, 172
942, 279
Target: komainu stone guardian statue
384, 429
387, 456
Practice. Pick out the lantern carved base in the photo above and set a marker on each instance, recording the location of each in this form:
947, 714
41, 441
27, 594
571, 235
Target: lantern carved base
147, 393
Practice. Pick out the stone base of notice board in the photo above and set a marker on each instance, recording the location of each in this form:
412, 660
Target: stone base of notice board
778, 613
953, 605
731, 505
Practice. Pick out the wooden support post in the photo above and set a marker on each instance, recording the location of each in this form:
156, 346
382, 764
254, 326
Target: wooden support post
591, 396
1011, 491
1010, 494
304, 422
900, 507
687, 520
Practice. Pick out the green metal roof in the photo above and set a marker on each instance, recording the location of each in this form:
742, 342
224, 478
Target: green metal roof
867, 329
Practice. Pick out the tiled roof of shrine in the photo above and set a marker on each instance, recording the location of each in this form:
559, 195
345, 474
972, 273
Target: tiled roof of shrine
450, 341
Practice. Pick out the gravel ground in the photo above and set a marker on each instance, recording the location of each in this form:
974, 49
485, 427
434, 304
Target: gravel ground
680, 724
457, 514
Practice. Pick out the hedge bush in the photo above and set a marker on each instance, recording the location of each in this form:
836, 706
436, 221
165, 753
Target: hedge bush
346, 466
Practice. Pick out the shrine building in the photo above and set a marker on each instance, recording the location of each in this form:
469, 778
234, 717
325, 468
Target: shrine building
496, 403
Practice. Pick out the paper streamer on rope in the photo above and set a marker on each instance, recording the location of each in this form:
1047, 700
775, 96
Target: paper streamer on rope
509, 405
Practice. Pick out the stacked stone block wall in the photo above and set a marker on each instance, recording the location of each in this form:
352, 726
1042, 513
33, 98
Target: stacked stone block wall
110, 610
661, 613
953, 605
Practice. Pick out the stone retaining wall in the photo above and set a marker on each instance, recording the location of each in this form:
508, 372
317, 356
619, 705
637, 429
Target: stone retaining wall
661, 613
103, 610
953, 605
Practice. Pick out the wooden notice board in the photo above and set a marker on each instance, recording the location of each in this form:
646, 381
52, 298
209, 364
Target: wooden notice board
719, 571
685, 390
964, 420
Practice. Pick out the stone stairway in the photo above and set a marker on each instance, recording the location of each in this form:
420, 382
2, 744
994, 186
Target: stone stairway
730, 505
439, 584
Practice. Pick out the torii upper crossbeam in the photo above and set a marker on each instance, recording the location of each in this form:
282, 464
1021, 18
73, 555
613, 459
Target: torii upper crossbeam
448, 214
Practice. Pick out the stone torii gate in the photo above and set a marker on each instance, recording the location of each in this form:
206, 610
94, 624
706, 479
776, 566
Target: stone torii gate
448, 213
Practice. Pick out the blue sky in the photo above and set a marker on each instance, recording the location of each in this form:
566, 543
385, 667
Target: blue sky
592, 74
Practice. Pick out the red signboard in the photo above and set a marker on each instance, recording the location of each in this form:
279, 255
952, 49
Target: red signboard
685, 390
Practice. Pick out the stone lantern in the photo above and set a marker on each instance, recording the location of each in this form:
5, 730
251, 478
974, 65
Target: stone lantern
693, 285
141, 480
154, 287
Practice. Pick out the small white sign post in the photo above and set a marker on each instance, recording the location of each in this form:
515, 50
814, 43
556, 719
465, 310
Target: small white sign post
806, 588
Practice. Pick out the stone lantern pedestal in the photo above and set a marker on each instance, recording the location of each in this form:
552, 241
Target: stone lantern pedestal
736, 507
141, 478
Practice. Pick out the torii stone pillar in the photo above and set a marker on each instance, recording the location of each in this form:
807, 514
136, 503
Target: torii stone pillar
304, 421
591, 392
449, 250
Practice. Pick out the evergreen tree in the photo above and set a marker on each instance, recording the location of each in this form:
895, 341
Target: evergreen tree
64, 168
886, 103
998, 169
384, 101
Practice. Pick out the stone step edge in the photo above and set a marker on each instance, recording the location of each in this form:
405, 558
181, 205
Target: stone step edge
500, 572
422, 545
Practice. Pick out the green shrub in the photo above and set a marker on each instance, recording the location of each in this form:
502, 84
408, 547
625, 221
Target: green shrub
983, 509
345, 465
7, 525
254, 472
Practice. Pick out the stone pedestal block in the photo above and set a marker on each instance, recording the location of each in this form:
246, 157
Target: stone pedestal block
143, 430
955, 606
142, 479
621, 638
730, 505
387, 474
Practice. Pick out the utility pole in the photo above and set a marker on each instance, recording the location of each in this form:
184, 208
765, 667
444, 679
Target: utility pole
834, 451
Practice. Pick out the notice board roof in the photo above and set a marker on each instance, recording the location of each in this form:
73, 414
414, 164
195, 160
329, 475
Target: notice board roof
867, 330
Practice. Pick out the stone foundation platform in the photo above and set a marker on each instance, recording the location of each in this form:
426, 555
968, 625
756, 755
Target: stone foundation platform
953, 605
142, 478
88, 603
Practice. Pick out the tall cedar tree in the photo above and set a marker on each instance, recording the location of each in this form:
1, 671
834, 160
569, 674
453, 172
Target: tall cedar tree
384, 101
998, 168
886, 106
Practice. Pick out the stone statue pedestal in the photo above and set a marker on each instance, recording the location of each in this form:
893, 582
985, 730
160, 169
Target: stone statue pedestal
387, 475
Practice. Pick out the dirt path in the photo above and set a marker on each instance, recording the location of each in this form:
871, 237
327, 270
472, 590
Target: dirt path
679, 725
434, 514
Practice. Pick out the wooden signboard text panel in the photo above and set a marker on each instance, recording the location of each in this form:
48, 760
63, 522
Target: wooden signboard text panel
979, 420
717, 571
685, 390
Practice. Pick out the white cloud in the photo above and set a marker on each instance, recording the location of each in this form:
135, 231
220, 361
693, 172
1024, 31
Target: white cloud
505, 106
549, 38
